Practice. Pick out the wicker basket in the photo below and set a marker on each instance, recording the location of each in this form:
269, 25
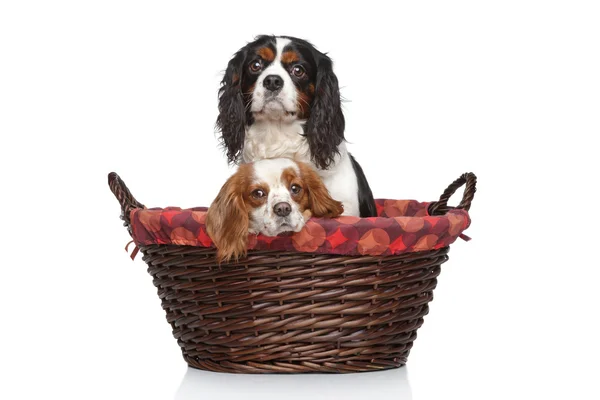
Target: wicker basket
345, 314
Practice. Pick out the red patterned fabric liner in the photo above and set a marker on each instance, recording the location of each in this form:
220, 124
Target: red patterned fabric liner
403, 226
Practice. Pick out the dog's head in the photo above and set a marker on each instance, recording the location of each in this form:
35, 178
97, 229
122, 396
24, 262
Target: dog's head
281, 79
270, 197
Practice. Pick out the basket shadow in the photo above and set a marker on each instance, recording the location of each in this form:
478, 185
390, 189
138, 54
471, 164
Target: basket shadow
198, 384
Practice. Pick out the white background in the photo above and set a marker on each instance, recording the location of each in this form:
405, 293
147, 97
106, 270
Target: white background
509, 90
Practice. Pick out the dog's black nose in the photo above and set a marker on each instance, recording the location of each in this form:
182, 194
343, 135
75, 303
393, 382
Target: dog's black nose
282, 209
273, 82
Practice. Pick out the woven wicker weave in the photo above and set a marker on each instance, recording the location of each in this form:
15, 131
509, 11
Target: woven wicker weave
287, 312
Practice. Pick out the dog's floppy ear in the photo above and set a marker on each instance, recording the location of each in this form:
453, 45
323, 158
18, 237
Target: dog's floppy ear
320, 201
325, 126
231, 121
227, 220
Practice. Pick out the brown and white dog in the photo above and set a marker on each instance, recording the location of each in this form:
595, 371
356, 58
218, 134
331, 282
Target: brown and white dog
269, 196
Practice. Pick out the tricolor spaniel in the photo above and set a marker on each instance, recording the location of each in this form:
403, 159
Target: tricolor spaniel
280, 98
269, 197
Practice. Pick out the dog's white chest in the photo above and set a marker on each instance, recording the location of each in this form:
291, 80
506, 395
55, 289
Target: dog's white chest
271, 139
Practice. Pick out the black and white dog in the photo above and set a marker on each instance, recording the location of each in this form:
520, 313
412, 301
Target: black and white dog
280, 98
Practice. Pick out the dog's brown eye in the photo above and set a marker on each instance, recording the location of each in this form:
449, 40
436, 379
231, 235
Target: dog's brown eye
298, 71
258, 193
295, 189
255, 66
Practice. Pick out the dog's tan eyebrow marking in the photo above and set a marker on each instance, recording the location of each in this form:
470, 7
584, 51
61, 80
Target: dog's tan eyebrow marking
266, 53
289, 57
288, 175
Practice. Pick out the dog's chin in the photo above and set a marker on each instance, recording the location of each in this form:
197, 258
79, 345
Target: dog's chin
275, 110
281, 227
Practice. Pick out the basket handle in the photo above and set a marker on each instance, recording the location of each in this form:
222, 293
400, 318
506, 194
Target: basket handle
441, 207
124, 196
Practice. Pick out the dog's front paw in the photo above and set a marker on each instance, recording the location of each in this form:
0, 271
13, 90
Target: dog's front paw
307, 214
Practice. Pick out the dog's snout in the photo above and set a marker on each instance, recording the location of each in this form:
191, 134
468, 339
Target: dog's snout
282, 209
273, 82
